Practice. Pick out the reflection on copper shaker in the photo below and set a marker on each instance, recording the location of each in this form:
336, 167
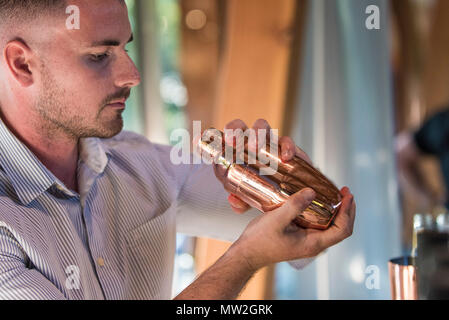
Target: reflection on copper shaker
268, 192
403, 278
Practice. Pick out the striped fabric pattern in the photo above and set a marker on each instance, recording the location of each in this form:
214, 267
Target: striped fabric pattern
116, 238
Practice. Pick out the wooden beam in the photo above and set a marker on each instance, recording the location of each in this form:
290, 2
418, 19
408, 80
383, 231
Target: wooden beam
254, 69
200, 41
252, 84
436, 77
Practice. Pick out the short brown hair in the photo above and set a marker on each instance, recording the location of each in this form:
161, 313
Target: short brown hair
21, 10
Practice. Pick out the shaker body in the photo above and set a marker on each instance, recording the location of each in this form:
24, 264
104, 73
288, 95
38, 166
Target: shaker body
268, 192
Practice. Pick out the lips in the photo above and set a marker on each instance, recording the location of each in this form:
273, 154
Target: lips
118, 99
122, 101
119, 104
116, 106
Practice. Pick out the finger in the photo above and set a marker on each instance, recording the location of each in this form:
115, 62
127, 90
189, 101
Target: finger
296, 204
343, 224
261, 124
345, 192
239, 210
287, 148
345, 213
258, 126
237, 203
234, 125
195, 142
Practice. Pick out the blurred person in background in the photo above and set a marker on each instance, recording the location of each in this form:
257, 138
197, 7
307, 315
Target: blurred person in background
431, 139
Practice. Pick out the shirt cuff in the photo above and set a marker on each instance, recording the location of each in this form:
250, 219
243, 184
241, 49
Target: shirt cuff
301, 263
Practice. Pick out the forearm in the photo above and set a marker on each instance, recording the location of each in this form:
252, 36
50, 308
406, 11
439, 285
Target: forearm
224, 280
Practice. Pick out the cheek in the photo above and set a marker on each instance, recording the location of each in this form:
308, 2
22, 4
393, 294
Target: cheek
85, 89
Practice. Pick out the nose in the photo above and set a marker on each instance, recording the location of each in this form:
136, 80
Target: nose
128, 75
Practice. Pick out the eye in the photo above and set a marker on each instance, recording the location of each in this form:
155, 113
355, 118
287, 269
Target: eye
99, 57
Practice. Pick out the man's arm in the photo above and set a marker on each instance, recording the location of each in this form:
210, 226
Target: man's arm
268, 239
224, 280
17, 282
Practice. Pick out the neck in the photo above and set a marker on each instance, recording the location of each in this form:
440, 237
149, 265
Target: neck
58, 152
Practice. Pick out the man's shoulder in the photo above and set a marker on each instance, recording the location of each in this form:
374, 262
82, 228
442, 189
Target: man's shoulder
136, 148
128, 141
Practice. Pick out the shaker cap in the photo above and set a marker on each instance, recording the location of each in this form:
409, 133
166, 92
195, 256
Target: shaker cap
212, 146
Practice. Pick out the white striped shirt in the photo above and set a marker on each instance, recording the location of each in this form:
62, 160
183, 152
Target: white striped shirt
116, 238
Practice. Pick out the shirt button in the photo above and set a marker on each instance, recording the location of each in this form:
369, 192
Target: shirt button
100, 262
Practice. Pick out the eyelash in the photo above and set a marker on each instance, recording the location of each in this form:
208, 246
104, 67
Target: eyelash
101, 57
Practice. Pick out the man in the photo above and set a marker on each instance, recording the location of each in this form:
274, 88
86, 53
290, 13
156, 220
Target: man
87, 212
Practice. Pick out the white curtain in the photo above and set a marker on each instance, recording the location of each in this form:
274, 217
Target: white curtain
344, 121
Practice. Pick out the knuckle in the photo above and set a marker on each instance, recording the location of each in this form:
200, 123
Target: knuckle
261, 123
236, 124
286, 139
286, 142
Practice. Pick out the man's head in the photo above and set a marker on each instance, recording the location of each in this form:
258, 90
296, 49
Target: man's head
64, 80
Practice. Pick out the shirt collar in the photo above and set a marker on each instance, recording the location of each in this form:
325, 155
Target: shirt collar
94, 154
29, 177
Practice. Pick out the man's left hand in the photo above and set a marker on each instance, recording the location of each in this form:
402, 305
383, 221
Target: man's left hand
288, 151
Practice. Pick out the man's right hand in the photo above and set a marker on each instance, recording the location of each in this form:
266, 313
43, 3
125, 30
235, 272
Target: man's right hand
268, 239
271, 237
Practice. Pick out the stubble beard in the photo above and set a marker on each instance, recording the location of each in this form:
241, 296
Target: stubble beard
54, 108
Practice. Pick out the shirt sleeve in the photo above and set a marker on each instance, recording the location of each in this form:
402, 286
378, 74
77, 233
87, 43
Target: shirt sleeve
433, 136
202, 206
17, 282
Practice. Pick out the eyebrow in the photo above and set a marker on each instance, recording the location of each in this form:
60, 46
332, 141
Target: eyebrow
110, 42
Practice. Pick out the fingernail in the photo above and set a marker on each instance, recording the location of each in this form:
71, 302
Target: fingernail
239, 205
235, 202
286, 154
309, 194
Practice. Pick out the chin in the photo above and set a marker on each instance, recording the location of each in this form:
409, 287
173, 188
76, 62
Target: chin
109, 130
112, 132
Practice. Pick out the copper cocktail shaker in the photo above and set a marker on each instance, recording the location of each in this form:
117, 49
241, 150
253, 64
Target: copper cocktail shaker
268, 192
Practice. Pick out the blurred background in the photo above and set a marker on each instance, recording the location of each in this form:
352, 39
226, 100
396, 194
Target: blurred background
350, 80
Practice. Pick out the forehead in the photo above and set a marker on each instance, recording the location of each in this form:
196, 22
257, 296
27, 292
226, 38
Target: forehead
100, 19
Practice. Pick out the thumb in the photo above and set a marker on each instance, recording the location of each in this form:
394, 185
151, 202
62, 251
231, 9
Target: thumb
296, 204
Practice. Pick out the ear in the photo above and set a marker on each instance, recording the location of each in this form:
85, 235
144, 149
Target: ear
17, 57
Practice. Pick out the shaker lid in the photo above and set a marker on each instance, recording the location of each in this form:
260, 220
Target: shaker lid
212, 146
